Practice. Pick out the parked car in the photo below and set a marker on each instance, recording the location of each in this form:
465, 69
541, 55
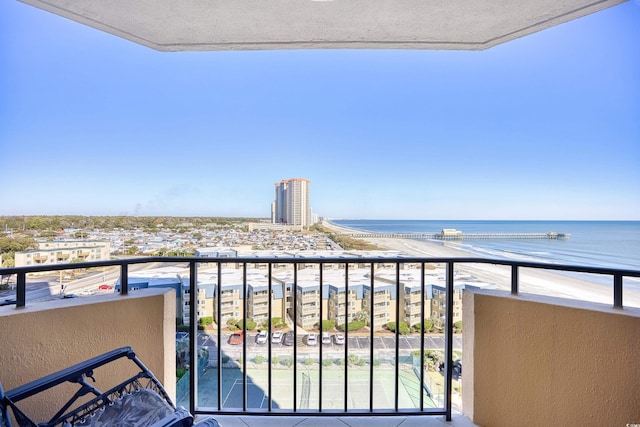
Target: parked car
276, 337
289, 338
456, 369
236, 338
262, 337
312, 338
338, 339
326, 338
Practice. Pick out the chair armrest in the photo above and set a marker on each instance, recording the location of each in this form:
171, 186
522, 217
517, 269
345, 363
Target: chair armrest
73, 374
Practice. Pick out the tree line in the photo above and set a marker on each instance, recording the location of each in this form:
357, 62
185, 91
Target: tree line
10, 245
108, 223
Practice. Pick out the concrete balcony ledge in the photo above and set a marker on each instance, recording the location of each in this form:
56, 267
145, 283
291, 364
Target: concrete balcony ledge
42, 338
534, 360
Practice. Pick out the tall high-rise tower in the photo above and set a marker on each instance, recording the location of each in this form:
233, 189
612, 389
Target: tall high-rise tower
292, 205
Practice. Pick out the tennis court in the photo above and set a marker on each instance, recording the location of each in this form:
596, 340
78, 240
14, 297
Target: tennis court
308, 389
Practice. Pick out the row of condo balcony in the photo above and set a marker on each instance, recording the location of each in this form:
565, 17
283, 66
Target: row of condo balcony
338, 295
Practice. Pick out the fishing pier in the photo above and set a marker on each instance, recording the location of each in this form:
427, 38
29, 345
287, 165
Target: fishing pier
452, 234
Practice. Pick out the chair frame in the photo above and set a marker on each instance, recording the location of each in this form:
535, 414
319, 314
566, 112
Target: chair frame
78, 374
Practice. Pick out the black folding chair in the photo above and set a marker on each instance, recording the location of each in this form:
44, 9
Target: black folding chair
139, 401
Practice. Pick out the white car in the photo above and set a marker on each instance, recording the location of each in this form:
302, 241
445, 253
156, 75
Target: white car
338, 339
276, 337
326, 338
262, 337
312, 338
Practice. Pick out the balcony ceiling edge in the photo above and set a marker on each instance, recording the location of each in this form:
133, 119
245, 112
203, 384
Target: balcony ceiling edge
195, 25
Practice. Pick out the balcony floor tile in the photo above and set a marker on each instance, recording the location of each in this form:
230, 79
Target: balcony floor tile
430, 421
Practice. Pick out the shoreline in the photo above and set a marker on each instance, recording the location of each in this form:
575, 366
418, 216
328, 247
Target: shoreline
532, 281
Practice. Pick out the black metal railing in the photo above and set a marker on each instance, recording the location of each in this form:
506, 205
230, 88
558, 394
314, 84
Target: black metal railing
296, 265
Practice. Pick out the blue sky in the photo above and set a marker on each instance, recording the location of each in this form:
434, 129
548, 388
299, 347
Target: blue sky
543, 127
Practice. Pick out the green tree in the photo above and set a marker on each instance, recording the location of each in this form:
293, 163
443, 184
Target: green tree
457, 327
403, 330
328, 325
352, 326
251, 325
362, 316
132, 250
17, 244
428, 325
206, 320
10, 245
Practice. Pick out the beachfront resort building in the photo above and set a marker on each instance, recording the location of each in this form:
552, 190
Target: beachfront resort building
178, 280
292, 205
413, 298
64, 251
340, 306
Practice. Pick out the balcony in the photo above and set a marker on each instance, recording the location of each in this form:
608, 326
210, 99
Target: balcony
229, 296
412, 298
260, 298
40, 258
309, 297
309, 309
525, 356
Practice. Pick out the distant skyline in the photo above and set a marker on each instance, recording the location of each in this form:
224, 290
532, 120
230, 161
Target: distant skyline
543, 127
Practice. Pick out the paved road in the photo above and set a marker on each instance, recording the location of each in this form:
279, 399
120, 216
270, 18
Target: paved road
52, 286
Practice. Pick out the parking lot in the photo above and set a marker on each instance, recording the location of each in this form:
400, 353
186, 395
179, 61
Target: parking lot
356, 344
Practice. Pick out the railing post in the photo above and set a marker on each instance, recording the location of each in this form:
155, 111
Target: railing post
397, 335
320, 365
270, 333
346, 335
617, 290
421, 336
124, 278
372, 300
294, 289
245, 306
448, 351
193, 338
515, 280
219, 333
21, 289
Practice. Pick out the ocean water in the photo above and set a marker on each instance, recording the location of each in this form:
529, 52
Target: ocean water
606, 244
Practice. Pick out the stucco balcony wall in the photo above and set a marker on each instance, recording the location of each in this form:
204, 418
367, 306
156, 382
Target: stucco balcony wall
42, 338
534, 361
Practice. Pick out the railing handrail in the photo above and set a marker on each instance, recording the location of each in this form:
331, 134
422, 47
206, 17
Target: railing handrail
617, 273
323, 260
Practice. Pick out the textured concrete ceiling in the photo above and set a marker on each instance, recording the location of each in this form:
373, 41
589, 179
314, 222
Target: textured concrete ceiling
179, 25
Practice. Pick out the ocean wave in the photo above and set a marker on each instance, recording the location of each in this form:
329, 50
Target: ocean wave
604, 244
505, 254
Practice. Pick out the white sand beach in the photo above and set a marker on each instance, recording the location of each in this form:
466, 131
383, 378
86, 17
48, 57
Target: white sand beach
532, 281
